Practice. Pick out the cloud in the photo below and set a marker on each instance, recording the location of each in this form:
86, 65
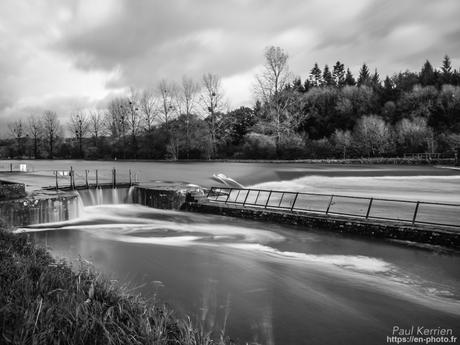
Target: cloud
65, 52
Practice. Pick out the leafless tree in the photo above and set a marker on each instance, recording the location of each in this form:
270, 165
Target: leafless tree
148, 109
187, 99
117, 120
96, 124
134, 117
17, 131
168, 99
213, 102
35, 131
51, 130
79, 125
270, 88
275, 75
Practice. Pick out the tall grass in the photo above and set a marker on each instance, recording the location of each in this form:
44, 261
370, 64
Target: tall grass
46, 302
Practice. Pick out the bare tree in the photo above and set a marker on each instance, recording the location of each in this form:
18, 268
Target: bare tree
213, 103
134, 117
35, 131
117, 120
96, 124
168, 99
270, 88
17, 131
275, 75
188, 97
51, 130
148, 108
79, 125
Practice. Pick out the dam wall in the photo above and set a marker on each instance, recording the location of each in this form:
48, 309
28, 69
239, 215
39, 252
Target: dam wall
433, 235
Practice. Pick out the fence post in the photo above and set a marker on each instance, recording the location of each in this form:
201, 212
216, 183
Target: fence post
57, 184
415, 212
71, 178
281, 200
246, 198
330, 203
293, 203
97, 179
130, 179
11, 167
369, 208
228, 196
114, 178
268, 199
257, 197
86, 178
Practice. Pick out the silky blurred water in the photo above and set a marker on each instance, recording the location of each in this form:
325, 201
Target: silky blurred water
268, 283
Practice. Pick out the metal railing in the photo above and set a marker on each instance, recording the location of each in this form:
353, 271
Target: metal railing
413, 212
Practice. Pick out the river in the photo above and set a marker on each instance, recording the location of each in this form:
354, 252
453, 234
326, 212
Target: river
264, 282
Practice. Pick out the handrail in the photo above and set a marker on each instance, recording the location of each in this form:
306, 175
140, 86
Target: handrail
280, 200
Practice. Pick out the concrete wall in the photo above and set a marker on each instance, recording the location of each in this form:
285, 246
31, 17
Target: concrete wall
39, 208
369, 228
9, 191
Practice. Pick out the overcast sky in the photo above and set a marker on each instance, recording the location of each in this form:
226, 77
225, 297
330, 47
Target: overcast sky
65, 55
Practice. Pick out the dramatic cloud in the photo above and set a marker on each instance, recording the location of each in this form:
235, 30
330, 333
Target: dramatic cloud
66, 55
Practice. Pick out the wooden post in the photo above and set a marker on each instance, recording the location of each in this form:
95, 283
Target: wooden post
86, 178
97, 179
71, 178
57, 184
369, 208
11, 167
130, 179
114, 178
415, 212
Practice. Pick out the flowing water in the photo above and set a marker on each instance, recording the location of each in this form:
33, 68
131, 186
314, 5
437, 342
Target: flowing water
269, 283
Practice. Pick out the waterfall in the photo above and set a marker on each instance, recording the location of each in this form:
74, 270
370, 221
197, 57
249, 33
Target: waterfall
106, 196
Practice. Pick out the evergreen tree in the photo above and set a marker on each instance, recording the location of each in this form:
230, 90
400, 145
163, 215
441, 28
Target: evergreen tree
427, 74
327, 77
446, 70
339, 74
297, 85
375, 80
315, 75
364, 76
349, 79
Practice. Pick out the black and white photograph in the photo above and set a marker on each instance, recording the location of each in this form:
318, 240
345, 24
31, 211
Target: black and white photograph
234, 172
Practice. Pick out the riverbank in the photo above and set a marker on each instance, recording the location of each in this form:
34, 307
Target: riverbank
43, 301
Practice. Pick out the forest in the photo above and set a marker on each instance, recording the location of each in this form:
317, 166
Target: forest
329, 114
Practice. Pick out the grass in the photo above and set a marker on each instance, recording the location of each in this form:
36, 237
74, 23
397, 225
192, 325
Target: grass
43, 301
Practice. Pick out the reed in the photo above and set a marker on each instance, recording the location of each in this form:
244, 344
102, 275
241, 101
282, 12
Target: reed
43, 301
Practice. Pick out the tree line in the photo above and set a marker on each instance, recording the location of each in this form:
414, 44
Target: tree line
329, 114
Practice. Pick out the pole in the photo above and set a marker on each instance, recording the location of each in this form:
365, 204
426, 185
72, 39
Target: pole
11, 167
71, 178
293, 203
57, 184
369, 208
114, 178
130, 180
330, 203
415, 212
97, 179
86, 178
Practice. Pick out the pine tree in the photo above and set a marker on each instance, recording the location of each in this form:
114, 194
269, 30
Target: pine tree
297, 85
446, 70
339, 74
364, 76
327, 77
315, 76
375, 80
349, 79
427, 74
